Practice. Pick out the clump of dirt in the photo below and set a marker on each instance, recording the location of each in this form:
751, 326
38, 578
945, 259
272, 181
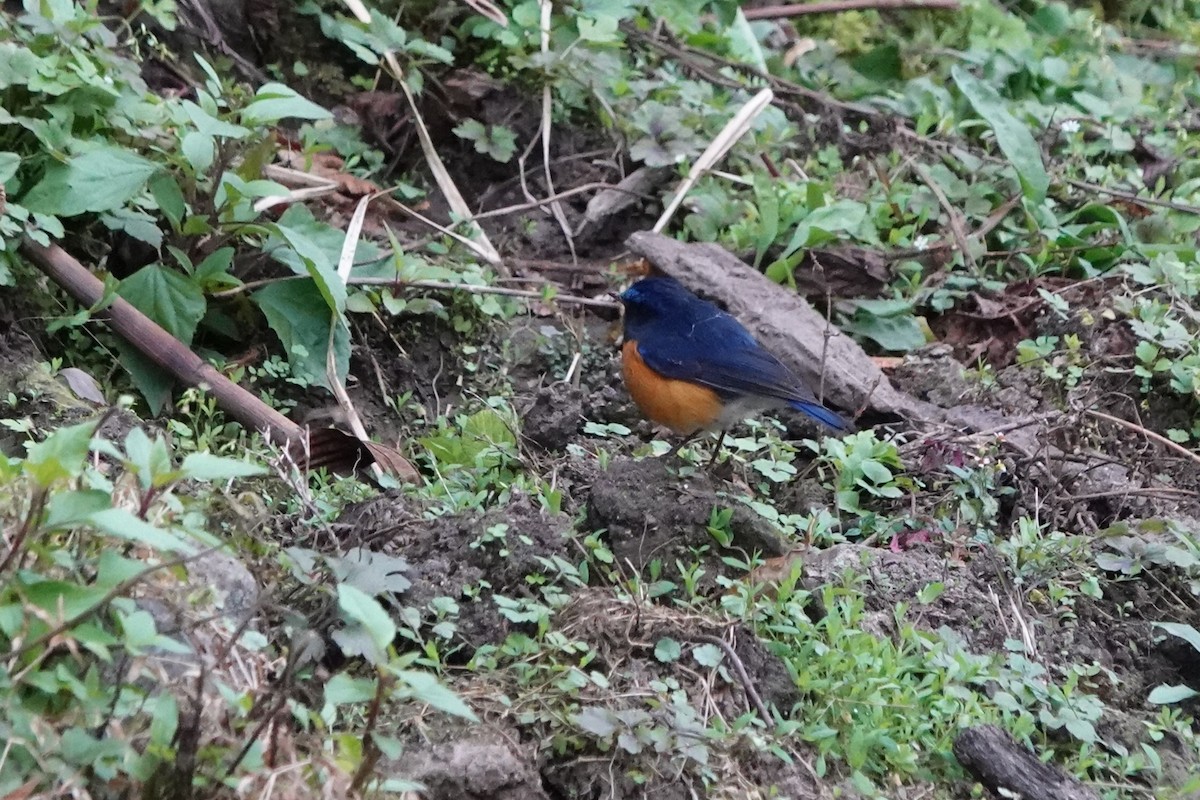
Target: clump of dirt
964, 605
933, 374
626, 636
488, 554
650, 512
554, 418
476, 763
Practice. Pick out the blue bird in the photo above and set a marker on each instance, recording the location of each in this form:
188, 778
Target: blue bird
692, 367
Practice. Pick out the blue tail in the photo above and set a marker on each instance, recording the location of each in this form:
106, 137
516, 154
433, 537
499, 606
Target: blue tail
822, 414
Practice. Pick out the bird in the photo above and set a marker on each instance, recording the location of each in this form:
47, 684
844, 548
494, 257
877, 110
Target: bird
693, 368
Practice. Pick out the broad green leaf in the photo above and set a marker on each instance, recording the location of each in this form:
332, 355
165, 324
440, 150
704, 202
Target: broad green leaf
63, 599
373, 573
166, 192
274, 101
707, 655
667, 650
148, 458
743, 44
343, 688
98, 180
1163, 695
426, 688
17, 64
207, 467
123, 524
8, 165
298, 314
213, 271
151, 380
599, 722
898, 333
168, 297
1186, 632
200, 150
210, 126
1013, 137
318, 266
66, 509
362, 609
59, 456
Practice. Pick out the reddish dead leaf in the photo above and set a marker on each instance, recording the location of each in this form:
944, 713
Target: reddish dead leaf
22, 792
774, 570
886, 363
343, 454
905, 540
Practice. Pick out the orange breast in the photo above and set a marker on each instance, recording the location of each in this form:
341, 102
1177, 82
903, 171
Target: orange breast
683, 407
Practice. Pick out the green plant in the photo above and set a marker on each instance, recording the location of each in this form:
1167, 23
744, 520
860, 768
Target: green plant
861, 464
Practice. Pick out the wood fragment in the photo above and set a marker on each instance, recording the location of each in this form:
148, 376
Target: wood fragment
840, 6
1006, 767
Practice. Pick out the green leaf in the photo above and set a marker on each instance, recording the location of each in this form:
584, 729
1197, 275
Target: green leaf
317, 263
122, 524
426, 688
372, 573
1013, 138
359, 607
168, 297
210, 126
98, 180
899, 333
166, 192
1164, 695
8, 165
18, 65
200, 150
707, 655
67, 509
1185, 632
299, 316
667, 650
63, 599
151, 380
274, 101
60, 456
599, 722
149, 459
207, 467
743, 44
342, 689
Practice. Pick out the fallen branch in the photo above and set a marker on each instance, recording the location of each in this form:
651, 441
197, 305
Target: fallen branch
159, 346
1004, 766
322, 448
1133, 426
839, 6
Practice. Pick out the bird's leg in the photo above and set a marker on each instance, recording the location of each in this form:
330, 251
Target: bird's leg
675, 450
717, 449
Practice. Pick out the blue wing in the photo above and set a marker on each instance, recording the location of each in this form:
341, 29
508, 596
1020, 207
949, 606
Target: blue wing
733, 369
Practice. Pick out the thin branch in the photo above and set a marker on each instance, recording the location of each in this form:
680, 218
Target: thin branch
954, 216
1133, 198
839, 6
469, 288
1158, 437
756, 703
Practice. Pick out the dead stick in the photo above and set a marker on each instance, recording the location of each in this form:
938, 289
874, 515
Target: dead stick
838, 6
159, 346
1158, 437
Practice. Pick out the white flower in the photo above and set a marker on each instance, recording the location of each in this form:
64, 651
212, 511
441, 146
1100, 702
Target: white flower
923, 241
1069, 126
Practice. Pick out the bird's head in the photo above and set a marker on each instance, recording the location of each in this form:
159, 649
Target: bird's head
653, 299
